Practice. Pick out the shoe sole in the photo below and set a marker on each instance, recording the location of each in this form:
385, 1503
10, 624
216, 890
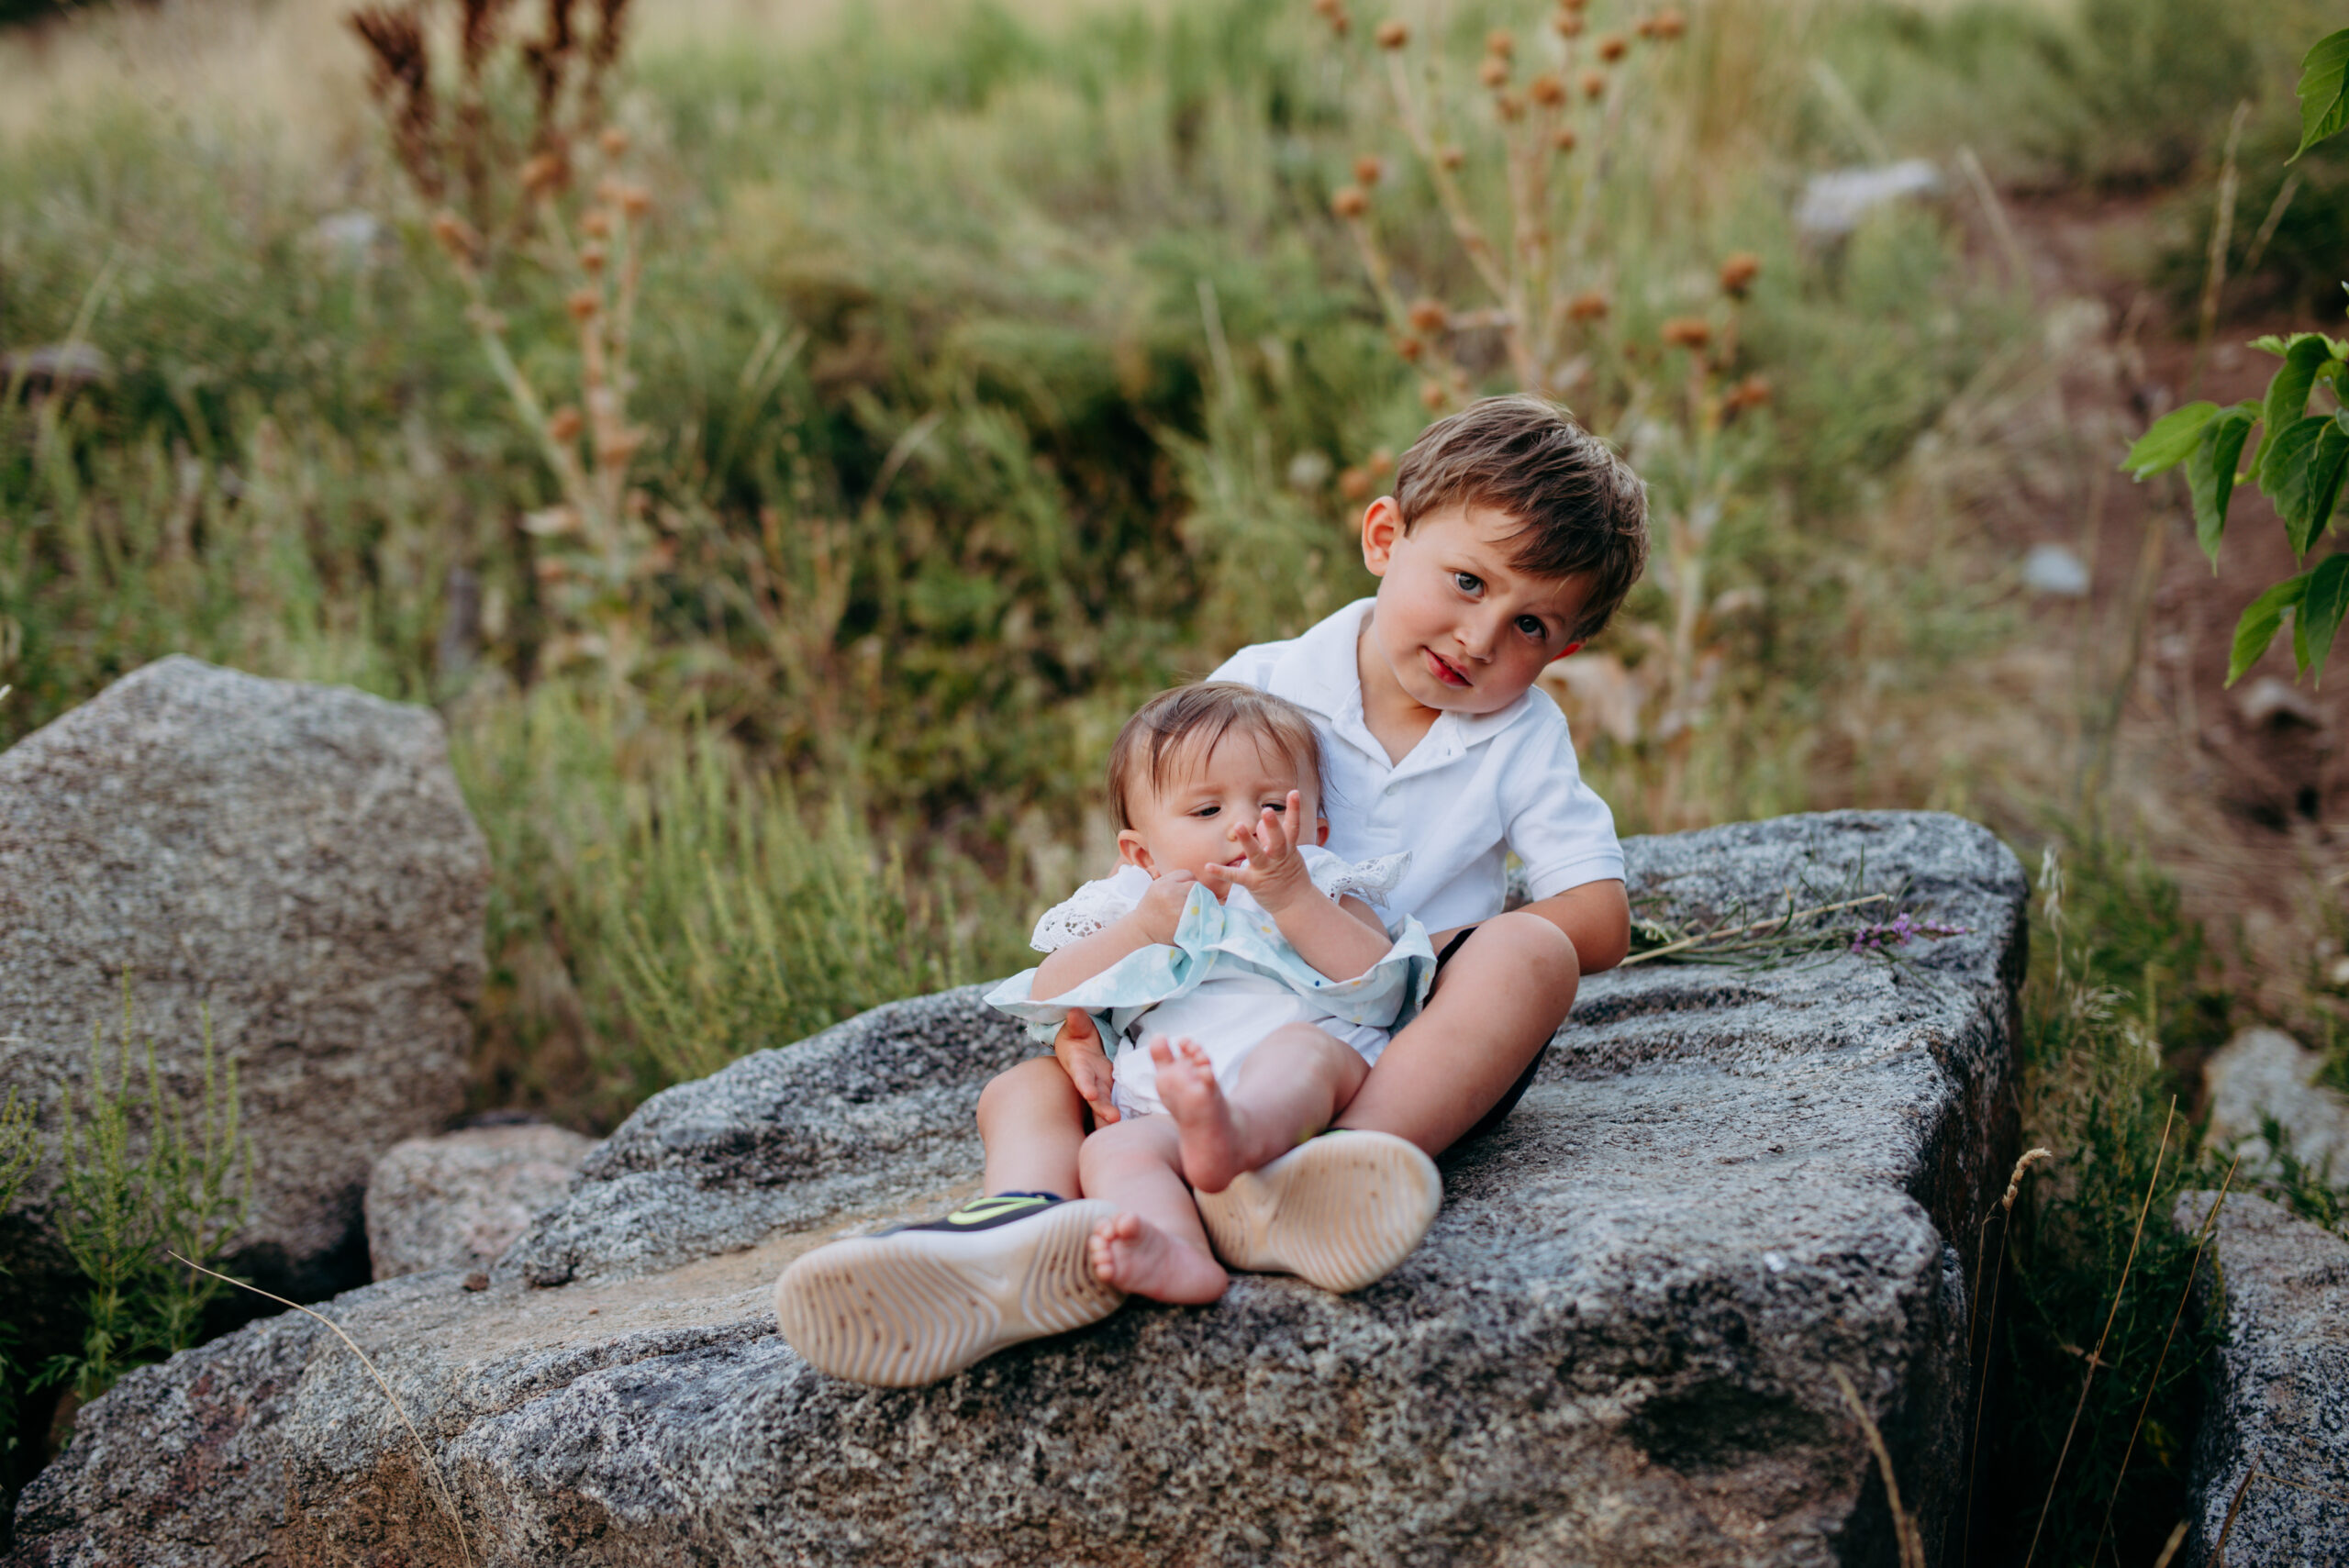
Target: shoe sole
915, 1305
1339, 1212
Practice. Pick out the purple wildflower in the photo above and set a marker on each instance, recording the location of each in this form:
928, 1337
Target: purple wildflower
1896, 931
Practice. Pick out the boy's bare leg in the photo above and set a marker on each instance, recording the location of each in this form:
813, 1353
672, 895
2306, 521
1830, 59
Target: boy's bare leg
1500, 999
1154, 1247
1034, 1123
1286, 1091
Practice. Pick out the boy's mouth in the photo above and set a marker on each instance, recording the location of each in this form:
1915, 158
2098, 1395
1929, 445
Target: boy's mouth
1442, 671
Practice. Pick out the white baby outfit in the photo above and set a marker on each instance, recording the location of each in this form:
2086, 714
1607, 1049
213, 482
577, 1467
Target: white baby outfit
1476, 788
1228, 980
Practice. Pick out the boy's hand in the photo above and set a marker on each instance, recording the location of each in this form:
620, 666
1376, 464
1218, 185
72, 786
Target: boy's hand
1161, 909
1079, 1047
1275, 872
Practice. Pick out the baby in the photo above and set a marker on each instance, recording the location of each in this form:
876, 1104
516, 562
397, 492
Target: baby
1247, 985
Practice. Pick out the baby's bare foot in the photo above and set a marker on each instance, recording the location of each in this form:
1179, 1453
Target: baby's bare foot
1135, 1256
1186, 1087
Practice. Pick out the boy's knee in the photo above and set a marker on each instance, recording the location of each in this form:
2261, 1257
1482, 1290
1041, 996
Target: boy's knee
1040, 1080
1520, 938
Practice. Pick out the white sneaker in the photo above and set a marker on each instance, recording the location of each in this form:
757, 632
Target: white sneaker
922, 1302
1339, 1210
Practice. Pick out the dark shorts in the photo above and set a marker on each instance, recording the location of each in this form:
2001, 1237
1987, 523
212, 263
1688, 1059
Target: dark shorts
1508, 1102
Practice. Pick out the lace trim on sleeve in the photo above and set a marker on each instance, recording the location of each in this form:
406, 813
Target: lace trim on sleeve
1090, 908
1370, 879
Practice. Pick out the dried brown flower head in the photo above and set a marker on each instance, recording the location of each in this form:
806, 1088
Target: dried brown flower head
457, 237
591, 257
1670, 22
1738, 273
1429, 315
1351, 201
596, 224
635, 200
1500, 41
1325, 7
564, 423
584, 304
1547, 89
1410, 348
1594, 84
1451, 157
544, 172
1588, 305
614, 142
1392, 34
1613, 47
1340, 24
1433, 396
1688, 332
1567, 24
1494, 72
1572, 5
1353, 484
1368, 169
1752, 393
1382, 463
1645, 26
1509, 105
1564, 138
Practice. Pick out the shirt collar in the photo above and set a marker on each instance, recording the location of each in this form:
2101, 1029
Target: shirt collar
1319, 673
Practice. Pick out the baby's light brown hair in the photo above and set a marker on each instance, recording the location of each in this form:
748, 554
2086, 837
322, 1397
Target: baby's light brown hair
1163, 728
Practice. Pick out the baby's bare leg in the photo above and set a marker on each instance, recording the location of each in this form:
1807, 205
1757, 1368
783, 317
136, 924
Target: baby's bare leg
1288, 1089
1032, 1121
1156, 1246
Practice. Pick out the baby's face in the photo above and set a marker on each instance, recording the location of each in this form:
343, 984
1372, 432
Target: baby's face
1210, 798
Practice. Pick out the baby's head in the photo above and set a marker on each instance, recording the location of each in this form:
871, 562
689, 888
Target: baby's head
1512, 537
1198, 765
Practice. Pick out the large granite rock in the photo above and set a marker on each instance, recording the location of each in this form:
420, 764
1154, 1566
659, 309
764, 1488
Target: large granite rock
297, 860
459, 1200
2278, 1412
1616, 1346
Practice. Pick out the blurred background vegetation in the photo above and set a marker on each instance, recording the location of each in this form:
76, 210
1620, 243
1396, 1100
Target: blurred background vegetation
994, 366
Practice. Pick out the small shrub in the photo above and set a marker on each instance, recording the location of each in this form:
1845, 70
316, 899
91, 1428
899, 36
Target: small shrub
126, 1199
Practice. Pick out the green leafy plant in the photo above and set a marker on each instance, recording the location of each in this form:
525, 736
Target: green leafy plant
19, 1146
2300, 459
127, 1199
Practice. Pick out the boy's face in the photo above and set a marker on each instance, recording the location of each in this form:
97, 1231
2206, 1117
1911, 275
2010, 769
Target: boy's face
1210, 798
1458, 627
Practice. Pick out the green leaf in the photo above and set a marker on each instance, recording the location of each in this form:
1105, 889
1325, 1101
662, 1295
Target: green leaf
2319, 616
2269, 343
2326, 470
2261, 620
2300, 471
2287, 395
2210, 474
2324, 90
2170, 441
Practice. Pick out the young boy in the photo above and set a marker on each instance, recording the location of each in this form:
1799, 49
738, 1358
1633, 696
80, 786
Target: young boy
1512, 538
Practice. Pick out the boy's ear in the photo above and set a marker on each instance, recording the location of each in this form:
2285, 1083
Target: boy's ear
1382, 525
1132, 852
1570, 649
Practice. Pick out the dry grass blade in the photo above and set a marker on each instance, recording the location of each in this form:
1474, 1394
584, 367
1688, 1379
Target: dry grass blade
432, 1468
1774, 923
2095, 1358
2152, 1384
2003, 1208
1912, 1544
2169, 1548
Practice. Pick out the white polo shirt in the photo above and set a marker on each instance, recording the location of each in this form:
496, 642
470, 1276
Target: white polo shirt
1476, 787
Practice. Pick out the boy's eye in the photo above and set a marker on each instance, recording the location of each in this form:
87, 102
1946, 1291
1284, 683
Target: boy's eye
1531, 626
1467, 581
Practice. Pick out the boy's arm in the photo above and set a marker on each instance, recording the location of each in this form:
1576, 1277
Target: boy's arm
1596, 917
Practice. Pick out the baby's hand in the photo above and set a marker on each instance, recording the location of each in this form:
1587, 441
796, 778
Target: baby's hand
1275, 872
1079, 1047
1161, 909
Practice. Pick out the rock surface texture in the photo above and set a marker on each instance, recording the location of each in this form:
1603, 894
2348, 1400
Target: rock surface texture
295, 859
1615, 1347
2264, 1073
459, 1200
2279, 1408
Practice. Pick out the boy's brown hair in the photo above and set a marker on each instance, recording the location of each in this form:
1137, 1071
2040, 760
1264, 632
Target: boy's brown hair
1204, 713
1584, 513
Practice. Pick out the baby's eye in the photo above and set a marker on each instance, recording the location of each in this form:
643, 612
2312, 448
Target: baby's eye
1531, 626
1468, 582
1206, 811
1279, 807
